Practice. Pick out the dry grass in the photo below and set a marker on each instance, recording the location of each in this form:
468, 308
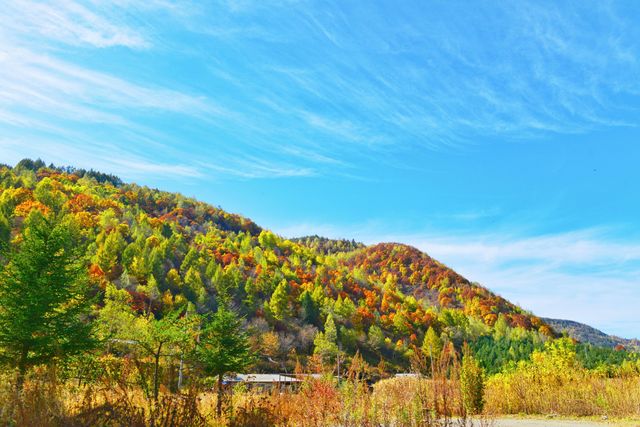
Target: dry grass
581, 394
319, 402
399, 402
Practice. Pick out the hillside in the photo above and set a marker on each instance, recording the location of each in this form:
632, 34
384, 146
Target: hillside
166, 250
589, 335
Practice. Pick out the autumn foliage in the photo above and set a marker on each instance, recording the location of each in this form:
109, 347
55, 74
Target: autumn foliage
164, 248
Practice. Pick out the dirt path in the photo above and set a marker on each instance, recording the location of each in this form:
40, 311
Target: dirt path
548, 423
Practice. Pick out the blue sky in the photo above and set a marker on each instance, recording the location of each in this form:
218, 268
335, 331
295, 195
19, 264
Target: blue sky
499, 137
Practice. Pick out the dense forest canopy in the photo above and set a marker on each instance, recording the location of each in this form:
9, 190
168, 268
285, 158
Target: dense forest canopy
155, 251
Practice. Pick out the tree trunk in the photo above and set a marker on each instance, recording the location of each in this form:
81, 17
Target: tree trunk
156, 374
20, 379
180, 374
219, 409
22, 370
181, 361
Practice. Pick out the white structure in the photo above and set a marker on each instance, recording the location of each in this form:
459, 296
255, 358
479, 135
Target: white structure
408, 375
264, 381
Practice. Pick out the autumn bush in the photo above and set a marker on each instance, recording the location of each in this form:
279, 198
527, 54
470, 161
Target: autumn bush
553, 382
471, 383
403, 401
416, 400
45, 401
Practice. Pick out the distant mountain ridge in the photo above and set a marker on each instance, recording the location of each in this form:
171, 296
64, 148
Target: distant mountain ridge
588, 334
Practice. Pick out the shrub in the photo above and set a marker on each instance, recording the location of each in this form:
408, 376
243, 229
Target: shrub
471, 383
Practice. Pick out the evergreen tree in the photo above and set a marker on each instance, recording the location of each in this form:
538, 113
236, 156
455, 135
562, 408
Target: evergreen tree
376, 338
223, 348
173, 280
279, 303
108, 253
501, 328
225, 282
44, 303
151, 291
5, 232
267, 239
326, 343
195, 290
189, 260
343, 309
251, 292
310, 310
432, 344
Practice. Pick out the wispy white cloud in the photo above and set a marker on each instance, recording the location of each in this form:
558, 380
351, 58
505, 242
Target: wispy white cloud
253, 167
62, 101
46, 84
327, 83
544, 70
68, 22
104, 157
144, 167
41, 91
585, 247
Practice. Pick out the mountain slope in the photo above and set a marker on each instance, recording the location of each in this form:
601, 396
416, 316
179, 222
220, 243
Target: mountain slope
166, 249
590, 335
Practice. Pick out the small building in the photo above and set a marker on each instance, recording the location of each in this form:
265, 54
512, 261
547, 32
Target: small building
264, 381
408, 375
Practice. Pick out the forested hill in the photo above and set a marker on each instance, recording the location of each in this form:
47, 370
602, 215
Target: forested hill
590, 335
167, 250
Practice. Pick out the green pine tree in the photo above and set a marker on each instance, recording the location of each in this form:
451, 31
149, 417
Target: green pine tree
432, 344
310, 310
326, 343
44, 303
279, 303
223, 348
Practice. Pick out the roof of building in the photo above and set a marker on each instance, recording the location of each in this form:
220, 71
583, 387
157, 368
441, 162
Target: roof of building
407, 375
263, 378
